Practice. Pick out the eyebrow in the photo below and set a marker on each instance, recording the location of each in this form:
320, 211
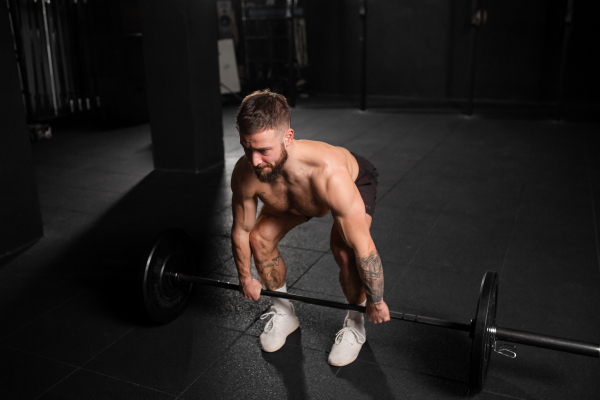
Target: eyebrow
258, 148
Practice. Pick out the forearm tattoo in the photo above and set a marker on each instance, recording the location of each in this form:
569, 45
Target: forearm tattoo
270, 276
371, 272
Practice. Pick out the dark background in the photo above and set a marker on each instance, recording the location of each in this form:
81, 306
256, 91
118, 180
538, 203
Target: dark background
417, 51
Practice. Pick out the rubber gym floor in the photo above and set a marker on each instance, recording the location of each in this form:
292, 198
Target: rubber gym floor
516, 193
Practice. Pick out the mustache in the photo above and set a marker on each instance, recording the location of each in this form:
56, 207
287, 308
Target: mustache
261, 167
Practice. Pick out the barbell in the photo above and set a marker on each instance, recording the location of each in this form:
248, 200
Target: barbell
166, 281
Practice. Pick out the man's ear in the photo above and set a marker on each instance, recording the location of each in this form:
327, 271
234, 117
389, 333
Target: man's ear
288, 137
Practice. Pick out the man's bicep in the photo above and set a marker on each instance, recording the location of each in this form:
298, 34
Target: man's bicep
348, 211
355, 229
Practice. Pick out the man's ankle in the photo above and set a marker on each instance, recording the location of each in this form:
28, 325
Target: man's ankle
283, 304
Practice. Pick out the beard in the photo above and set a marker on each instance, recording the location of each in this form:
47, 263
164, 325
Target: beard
276, 169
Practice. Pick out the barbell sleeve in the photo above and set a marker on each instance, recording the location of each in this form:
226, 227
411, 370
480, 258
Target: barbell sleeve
547, 342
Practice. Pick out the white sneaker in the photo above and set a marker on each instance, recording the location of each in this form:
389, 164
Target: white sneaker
348, 342
278, 328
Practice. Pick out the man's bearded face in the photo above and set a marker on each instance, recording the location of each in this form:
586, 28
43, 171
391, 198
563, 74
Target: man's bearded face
275, 169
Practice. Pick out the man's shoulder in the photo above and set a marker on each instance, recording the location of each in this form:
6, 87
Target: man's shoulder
330, 178
242, 176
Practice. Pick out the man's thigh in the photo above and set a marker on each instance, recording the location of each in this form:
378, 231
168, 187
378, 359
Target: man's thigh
272, 225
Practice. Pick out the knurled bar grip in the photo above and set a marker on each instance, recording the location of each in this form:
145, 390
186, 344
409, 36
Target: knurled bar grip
327, 303
547, 342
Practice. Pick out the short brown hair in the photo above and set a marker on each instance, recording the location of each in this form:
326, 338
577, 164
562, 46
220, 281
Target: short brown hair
262, 110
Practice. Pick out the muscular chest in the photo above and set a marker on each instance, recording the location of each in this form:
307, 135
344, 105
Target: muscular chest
300, 201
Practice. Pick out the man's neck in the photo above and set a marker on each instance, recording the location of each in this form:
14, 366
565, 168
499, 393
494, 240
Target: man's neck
294, 165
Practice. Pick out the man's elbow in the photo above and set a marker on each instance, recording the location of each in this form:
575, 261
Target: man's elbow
239, 230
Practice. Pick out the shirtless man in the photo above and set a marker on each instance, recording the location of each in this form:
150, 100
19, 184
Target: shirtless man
298, 180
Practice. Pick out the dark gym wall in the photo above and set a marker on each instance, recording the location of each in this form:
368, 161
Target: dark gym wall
20, 219
408, 47
332, 41
420, 49
517, 54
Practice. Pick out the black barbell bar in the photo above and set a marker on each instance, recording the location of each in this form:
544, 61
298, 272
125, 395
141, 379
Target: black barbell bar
327, 303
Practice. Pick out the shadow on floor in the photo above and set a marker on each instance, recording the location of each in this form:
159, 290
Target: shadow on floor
376, 377
290, 365
107, 257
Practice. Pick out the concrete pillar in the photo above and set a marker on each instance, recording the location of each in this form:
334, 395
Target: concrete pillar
20, 219
182, 72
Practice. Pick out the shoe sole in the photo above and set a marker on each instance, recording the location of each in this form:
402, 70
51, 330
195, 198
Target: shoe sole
292, 329
344, 364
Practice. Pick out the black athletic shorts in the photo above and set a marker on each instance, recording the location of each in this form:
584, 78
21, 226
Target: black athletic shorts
367, 182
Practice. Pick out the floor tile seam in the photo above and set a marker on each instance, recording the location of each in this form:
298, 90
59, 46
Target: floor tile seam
256, 319
337, 372
409, 263
108, 346
285, 246
323, 254
40, 355
58, 383
216, 325
412, 371
518, 211
83, 292
434, 224
313, 292
321, 220
361, 133
126, 381
593, 201
324, 352
208, 367
304, 248
514, 220
384, 121
422, 159
212, 271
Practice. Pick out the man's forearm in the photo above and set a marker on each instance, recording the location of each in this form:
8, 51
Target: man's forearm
240, 245
371, 273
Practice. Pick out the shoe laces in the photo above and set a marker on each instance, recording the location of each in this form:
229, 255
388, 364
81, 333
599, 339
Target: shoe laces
352, 334
275, 321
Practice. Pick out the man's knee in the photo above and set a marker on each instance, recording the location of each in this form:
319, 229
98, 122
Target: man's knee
261, 245
342, 254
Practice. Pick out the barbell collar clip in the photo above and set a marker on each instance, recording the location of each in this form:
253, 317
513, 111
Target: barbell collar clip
506, 350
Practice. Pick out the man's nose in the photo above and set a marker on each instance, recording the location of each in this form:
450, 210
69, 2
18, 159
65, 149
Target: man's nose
256, 159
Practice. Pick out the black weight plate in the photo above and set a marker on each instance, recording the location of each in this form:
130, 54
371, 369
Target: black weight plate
163, 297
483, 341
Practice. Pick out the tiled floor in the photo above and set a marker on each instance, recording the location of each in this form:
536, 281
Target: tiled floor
458, 196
